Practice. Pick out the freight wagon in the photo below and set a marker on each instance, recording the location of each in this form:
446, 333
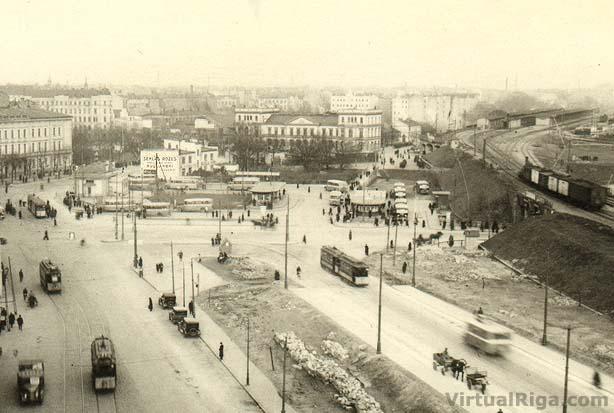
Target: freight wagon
583, 193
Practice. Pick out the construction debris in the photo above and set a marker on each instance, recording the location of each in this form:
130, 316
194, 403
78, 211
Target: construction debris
351, 393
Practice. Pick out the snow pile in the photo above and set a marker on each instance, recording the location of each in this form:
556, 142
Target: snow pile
334, 349
562, 300
351, 392
604, 352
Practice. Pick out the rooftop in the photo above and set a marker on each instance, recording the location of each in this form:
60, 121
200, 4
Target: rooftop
286, 119
13, 113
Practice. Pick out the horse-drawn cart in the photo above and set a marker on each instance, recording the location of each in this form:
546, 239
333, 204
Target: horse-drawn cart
477, 378
443, 361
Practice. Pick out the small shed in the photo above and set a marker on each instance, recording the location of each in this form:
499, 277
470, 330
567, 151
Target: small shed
266, 193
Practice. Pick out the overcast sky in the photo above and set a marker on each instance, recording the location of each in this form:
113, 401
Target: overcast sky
473, 43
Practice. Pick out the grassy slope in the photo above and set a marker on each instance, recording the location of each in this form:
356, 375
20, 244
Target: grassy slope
575, 253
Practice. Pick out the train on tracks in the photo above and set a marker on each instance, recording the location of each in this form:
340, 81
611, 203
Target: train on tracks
580, 192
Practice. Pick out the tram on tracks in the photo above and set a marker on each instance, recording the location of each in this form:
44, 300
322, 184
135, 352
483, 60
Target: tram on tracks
104, 364
37, 206
50, 276
350, 269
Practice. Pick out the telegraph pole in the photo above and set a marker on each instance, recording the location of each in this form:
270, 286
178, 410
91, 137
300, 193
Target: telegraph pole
286, 244
545, 337
388, 233
123, 205
12, 286
173, 267
136, 258
247, 376
394, 253
413, 273
283, 380
183, 278
566, 369
193, 301
6, 294
116, 209
379, 306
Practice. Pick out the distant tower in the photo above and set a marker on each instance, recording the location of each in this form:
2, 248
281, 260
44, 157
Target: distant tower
506, 84
85, 84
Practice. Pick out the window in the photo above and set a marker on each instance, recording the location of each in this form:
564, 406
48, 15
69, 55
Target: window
39, 133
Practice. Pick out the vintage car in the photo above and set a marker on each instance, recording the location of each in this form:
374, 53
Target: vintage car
167, 300
31, 381
189, 327
177, 314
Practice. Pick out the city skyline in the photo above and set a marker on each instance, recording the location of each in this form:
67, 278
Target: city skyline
276, 43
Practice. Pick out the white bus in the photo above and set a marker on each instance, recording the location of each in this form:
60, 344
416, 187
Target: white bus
151, 208
184, 183
336, 185
335, 198
422, 187
488, 336
197, 205
243, 183
109, 204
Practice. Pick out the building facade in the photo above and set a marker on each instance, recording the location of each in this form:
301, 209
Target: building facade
351, 101
440, 110
34, 141
359, 130
87, 108
280, 103
194, 155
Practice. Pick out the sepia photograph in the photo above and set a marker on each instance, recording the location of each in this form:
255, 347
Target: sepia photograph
326, 206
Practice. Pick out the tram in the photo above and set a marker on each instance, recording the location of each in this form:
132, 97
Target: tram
348, 268
37, 206
50, 276
104, 364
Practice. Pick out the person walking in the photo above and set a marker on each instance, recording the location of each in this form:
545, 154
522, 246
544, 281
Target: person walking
20, 275
140, 262
25, 293
11, 320
191, 308
55, 222
409, 246
46, 236
20, 322
150, 305
366, 249
221, 351
404, 269
350, 235
298, 271
304, 239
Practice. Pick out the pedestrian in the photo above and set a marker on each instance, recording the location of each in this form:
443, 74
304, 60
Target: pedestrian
304, 239
20, 275
191, 307
320, 195
597, 380
409, 246
298, 271
391, 244
423, 223
19, 214
480, 311
309, 189
140, 262
323, 212
25, 294
350, 235
20, 322
404, 269
212, 241
46, 236
11, 319
55, 222
366, 249
150, 304
221, 351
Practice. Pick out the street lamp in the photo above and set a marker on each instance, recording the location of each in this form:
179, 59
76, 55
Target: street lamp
413, 273
379, 306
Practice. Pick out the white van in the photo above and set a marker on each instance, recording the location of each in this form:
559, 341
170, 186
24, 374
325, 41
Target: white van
197, 205
336, 185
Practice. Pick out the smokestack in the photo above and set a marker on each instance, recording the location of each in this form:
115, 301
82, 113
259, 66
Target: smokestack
506, 84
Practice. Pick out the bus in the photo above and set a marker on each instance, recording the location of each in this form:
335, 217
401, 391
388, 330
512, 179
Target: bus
335, 198
110, 204
336, 185
104, 364
422, 187
488, 336
37, 206
31, 381
50, 276
243, 183
197, 205
151, 208
348, 268
184, 183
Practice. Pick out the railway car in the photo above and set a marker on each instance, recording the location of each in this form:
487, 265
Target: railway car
348, 268
581, 192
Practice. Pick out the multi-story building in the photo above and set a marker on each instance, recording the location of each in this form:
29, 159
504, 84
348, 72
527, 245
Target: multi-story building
89, 108
33, 141
249, 120
442, 111
353, 102
280, 103
359, 130
142, 106
195, 155
122, 119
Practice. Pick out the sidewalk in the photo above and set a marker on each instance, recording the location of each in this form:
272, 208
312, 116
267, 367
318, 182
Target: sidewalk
261, 389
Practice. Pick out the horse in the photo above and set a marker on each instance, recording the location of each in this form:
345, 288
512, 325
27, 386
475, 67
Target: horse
458, 367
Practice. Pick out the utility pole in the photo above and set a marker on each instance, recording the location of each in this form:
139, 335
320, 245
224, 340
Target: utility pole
379, 306
6, 294
136, 258
413, 273
545, 337
283, 380
566, 369
193, 301
122, 205
286, 244
173, 267
247, 375
475, 142
394, 253
183, 278
12, 287
116, 209
484, 152
388, 233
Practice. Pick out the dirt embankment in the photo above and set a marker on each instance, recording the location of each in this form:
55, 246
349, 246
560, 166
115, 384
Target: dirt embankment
478, 192
575, 253
271, 309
